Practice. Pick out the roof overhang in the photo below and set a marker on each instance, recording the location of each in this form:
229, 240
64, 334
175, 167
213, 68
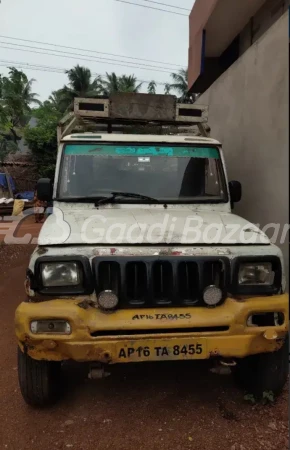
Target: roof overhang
226, 21
221, 21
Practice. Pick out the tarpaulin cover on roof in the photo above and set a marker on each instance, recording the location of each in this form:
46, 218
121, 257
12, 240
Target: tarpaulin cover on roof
3, 182
26, 195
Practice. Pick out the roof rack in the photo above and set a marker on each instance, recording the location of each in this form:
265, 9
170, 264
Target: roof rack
123, 110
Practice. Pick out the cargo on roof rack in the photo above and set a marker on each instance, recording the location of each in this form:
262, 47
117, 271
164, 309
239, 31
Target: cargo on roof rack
127, 109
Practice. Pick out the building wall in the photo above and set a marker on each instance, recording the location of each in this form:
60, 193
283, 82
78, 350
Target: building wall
266, 16
271, 11
248, 113
199, 16
194, 58
222, 20
226, 22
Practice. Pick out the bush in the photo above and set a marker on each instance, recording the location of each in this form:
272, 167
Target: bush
42, 139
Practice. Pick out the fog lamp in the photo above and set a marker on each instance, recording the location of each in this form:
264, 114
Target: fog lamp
107, 300
212, 295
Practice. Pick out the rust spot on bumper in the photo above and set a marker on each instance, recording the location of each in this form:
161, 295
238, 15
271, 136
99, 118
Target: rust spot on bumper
100, 355
86, 304
26, 343
214, 352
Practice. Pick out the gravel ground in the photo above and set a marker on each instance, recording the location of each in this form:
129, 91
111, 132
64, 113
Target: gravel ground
148, 406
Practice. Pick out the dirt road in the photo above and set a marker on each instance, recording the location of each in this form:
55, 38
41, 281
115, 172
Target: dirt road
162, 406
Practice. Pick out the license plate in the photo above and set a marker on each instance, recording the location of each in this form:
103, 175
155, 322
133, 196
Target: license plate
158, 350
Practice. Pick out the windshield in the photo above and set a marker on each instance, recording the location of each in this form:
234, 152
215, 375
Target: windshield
168, 173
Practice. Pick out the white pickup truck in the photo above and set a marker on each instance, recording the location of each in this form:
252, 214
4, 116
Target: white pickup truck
143, 258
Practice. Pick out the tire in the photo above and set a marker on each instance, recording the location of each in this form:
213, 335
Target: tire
264, 372
39, 381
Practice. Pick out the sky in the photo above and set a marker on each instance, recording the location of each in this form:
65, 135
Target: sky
106, 26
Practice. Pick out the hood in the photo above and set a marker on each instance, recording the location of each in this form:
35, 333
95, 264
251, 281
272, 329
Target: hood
182, 225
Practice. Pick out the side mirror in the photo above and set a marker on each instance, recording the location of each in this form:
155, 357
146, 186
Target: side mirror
235, 191
44, 189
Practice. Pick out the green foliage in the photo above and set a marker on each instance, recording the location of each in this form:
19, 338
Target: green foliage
7, 145
249, 398
152, 87
16, 96
42, 139
180, 85
58, 101
81, 84
112, 84
167, 89
267, 398
128, 83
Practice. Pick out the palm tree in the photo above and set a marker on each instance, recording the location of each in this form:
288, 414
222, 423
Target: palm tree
80, 84
16, 92
125, 83
15, 101
58, 100
180, 85
128, 83
110, 85
167, 88
152, 87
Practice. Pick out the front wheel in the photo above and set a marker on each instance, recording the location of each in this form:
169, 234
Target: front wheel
39, 381
264, 372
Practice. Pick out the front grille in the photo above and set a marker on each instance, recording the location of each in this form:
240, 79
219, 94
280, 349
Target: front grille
169, 282
136, 282
162, 282
109, 276
188, 282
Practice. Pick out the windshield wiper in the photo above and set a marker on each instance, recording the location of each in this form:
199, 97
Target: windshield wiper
112, 199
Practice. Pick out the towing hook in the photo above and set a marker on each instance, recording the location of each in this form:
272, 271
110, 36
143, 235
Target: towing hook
223, 366
98, 372
228, 362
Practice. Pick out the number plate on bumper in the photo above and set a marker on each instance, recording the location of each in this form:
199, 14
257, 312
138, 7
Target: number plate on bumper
161, 350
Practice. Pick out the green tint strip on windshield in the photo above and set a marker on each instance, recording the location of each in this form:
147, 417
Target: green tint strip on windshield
118, 150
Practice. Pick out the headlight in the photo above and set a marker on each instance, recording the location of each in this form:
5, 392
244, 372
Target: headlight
61, 274
256, 274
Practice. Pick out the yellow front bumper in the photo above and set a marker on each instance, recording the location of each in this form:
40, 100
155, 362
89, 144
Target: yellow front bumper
97, 336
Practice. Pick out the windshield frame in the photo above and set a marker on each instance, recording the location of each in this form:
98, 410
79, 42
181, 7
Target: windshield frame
131, 201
